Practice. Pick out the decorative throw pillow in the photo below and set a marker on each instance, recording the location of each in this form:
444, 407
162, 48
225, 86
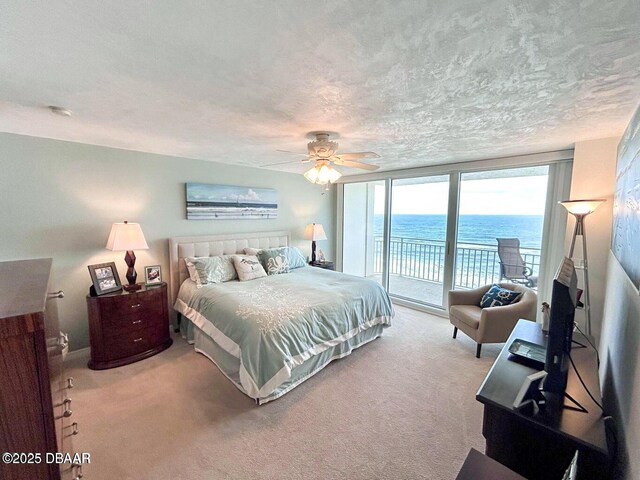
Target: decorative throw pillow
248, 267
252, 251
296, 258
275, 260
193, 275
211, 269
498, 297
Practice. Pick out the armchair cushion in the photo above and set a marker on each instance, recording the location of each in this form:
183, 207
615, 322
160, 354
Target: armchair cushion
498, 297
467, 314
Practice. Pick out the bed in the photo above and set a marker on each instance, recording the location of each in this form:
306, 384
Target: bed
270, 334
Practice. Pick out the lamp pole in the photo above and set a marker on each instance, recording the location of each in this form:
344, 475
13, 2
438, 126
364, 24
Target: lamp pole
579, 229
580, 209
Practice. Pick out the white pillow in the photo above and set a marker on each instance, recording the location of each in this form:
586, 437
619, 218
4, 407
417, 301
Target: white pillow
248, 267
193, 275
252, 251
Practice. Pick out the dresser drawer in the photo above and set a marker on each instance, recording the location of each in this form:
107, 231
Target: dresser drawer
131, 343
117, 306
116, 326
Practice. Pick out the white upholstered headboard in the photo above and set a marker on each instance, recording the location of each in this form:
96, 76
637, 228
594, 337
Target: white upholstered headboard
212, 245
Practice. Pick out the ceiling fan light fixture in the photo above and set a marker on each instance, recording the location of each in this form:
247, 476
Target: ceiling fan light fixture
333, 174
312, 174
322, 174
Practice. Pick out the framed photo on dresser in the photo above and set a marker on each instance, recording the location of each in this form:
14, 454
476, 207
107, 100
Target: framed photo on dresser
153, 275
105, 278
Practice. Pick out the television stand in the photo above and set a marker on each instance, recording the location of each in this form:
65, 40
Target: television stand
541, 445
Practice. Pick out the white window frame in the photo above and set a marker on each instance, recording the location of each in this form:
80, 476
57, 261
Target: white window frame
558, 188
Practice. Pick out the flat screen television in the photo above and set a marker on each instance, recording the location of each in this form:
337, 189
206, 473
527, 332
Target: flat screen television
563, 307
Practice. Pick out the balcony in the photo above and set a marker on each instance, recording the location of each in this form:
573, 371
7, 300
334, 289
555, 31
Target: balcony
416, 266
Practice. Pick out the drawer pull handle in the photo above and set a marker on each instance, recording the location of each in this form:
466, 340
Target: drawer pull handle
58, 294
135, 322
70, 382
137, 305
67, 413
65, 403
136, 340
75, 430
78, 471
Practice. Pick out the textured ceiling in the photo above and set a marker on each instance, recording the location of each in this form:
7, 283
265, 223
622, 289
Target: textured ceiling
418, 82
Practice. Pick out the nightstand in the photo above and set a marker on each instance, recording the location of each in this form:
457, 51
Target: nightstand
325, 265
126, 327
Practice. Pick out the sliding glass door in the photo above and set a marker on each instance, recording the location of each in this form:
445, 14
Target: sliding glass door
506, 205
421, 237
417, 243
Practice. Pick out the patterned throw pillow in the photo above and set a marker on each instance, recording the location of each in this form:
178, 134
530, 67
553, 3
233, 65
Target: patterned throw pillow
252, 251
498, 297
248, 267
193, 275
293, 255
275, 260
211, 269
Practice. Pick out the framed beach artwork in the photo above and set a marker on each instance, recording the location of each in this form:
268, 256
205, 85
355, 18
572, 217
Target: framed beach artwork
626, 203
206, 201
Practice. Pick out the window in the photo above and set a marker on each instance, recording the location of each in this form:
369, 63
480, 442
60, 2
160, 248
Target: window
423, 236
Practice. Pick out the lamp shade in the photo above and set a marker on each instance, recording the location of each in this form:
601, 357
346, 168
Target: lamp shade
581, 207
314, 231
126, 236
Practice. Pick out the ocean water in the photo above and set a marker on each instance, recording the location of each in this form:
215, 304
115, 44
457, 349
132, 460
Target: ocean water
477, 262
474, 229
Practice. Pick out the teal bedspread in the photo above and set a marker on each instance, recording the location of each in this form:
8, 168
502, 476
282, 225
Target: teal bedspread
276, 323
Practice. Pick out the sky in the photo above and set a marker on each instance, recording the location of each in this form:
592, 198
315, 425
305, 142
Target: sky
227, 193
495, 196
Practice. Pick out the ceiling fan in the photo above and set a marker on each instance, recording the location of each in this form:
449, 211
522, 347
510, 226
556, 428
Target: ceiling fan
322, 151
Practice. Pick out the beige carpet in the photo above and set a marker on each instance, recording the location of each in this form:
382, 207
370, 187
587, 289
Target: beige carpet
400, 407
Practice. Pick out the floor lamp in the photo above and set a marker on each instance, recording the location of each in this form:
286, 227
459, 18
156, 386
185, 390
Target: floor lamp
580, 209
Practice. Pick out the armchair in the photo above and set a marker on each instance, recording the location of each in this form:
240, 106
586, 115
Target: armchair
492, 324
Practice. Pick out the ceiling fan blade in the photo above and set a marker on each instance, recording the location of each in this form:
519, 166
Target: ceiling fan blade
284, 163
354, 155
293, 153
353, 164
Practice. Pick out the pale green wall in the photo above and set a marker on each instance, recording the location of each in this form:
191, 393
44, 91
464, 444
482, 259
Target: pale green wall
59, 199
620, 331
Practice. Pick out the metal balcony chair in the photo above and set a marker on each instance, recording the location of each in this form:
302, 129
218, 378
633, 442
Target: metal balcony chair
512, 265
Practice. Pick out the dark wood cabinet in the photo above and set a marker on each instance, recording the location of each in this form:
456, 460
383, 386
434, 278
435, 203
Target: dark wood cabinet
35, 408
541, 445
126, 327
325, 265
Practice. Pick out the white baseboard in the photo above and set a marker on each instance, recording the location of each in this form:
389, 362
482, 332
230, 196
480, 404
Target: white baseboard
438, 312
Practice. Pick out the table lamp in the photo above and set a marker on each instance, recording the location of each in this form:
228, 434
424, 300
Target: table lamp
580, 209
128, 236
313, 232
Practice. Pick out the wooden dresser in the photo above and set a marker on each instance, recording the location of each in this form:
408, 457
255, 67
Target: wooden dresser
35, 407
125, 327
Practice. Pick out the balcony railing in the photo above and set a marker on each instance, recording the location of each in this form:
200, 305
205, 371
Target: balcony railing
476, 264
